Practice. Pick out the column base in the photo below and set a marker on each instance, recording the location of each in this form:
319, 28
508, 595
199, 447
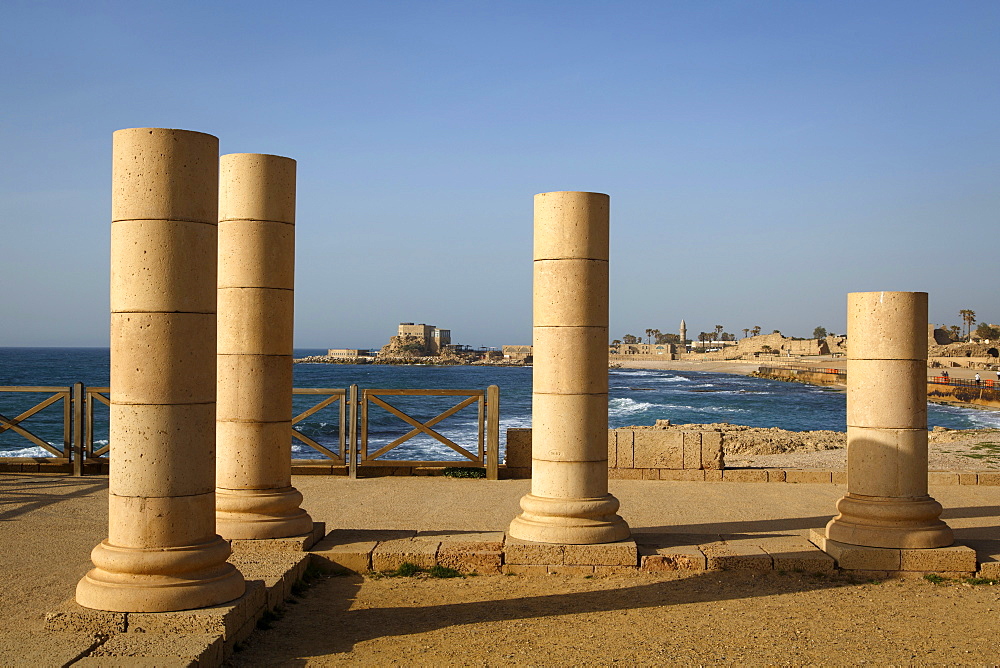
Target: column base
166, 579
569, 521
890, 522
260, 513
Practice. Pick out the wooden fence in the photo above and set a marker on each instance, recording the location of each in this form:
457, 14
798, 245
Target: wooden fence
352, 447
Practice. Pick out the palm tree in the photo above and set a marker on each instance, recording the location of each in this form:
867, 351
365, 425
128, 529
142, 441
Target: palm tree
649, 336
756, 330
969, 318
746, 330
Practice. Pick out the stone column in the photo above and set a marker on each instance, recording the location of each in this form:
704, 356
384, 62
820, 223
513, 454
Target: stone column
569, 501
887, 504
162, 552
254, 493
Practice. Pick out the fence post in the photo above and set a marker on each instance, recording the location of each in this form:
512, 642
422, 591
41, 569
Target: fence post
492, 431
352, 439
77, 439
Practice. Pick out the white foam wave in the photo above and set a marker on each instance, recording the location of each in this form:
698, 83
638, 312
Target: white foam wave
32, 451
626, 406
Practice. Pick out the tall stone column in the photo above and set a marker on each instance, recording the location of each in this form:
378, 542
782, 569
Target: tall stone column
569, 501
887, 504
254, 493
162, 552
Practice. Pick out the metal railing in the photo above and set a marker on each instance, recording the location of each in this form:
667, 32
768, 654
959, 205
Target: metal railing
964, 382
80, 404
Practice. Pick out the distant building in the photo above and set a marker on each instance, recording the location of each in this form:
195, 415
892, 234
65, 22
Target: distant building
434, 339
348, 353
517, 353
667, 349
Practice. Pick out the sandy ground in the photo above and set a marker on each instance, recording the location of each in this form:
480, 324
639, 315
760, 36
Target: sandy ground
49, 525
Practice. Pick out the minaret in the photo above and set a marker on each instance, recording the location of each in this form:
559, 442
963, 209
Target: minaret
684, 333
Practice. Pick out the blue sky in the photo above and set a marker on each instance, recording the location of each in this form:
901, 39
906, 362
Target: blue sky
763, 158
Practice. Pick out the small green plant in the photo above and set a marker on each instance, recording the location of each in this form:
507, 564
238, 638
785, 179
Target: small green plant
406, 570
934, 578
981, 581
464, 472
439, 571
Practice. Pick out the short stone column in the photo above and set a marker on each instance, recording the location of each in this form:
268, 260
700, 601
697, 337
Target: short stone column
569, 501
254, 493
162, 552
887, 504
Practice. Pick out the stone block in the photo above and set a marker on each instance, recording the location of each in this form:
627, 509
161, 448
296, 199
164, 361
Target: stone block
968, 479
518, 473
713, 475
522, 552
712, 456
151, 166
684, 475
670, 559
300, 543
253, 186
650, 474
942, 478
518, 453
571, 225
468, 540
745, 475
625, 439
658, 448
856, 557
988, 478
875, 320
72, 617
245, 262
484, 562
742, 555
222, 620
887, 394
625, 474
525, 569
793, 553
558, 287
800, 476
355, 557
839, 477
887, 462
958, 558
573, 480
562, 569
989, 569
392, 554
569, 361
158, 649
777, 475
692, 450
623, 553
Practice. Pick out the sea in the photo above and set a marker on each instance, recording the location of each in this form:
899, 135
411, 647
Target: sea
637, 397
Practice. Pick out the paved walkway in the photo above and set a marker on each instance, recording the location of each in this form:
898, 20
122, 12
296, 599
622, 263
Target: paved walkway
48, 525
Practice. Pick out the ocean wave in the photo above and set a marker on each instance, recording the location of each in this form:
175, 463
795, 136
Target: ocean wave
626, 406
31, 451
